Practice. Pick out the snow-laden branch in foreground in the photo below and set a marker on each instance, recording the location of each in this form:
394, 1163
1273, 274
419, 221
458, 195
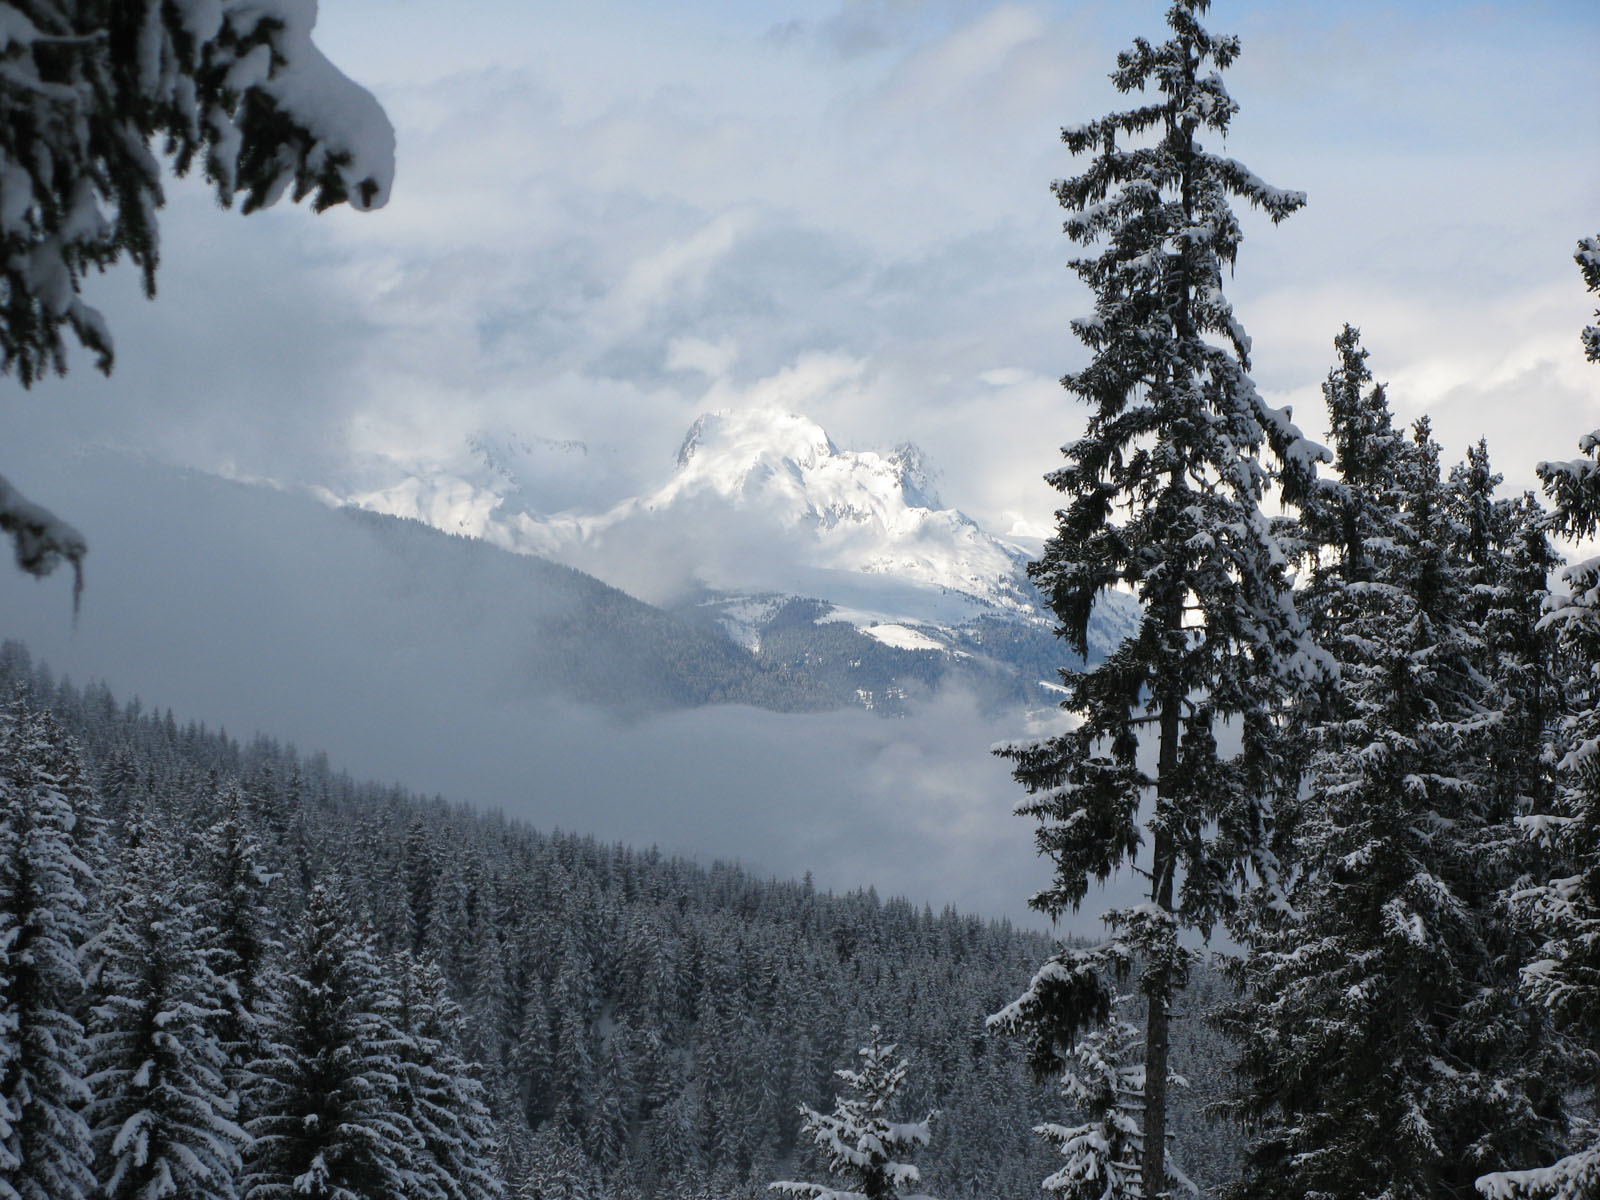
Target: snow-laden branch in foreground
96, 101
1576, 1177
41, 539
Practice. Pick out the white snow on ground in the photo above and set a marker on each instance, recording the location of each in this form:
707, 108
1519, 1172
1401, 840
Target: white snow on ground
902, 637
743, 619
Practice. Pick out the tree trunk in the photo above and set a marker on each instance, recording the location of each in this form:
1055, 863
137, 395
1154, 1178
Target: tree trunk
1157, 1044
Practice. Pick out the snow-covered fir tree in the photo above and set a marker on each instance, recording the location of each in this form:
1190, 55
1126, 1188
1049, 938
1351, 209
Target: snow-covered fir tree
162, 1113
327, 1093
1588, 260
1164, 493
559, 1169
1073, 1025
439, 1097
1563, 974
1376, 1057
1508, 559
48, 848
1104, 1083
234, 889
858, 1139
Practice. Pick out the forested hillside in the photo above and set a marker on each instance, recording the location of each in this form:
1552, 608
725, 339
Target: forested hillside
643, 1024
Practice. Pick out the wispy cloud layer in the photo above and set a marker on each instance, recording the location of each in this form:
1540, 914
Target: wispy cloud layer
585, 194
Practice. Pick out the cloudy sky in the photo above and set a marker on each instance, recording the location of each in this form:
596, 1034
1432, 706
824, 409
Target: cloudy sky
612, 216
609, 217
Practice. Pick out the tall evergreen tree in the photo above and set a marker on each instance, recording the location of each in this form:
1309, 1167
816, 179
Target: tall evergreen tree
1373, 1061
1564, 904
858, 1138
1165, 491
1588, 260
163, 1111
560, 1170
47, 827
1507, 558
234, 883
327, 1093
531, 1061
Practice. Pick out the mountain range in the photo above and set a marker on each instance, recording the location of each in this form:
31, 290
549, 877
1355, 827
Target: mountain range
843, 565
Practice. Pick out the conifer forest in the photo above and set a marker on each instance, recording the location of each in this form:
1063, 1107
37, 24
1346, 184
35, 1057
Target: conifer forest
1328, 701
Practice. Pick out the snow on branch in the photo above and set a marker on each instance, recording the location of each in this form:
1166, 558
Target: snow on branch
90, 111
92, 99
41, 539
1277, 202
858, 1138
349, 136
1576, 1177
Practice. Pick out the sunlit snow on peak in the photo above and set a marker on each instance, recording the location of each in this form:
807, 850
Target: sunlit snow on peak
761, 500
753, 436
789, 463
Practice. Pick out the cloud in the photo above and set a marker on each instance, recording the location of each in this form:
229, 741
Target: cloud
556, 233
696, 354
555, 230
859, 28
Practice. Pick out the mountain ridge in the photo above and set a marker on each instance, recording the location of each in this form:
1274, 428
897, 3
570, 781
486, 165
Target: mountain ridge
762, 509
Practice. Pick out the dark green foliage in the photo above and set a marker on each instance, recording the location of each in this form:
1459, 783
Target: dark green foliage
330, 1123
439, 1095
1104, 1084
1562, 901
861, 1138
1163, 497
1588, 260
95, 95
48, 827
97, 98
163, 1110
1566, 908
235, 906
1382, 1052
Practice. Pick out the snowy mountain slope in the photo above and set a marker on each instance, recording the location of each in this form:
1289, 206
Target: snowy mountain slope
763, 507
494, 474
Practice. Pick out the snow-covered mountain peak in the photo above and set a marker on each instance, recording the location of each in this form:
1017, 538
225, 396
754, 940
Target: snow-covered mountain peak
732, 442
918, 478
762, 501
787, 463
